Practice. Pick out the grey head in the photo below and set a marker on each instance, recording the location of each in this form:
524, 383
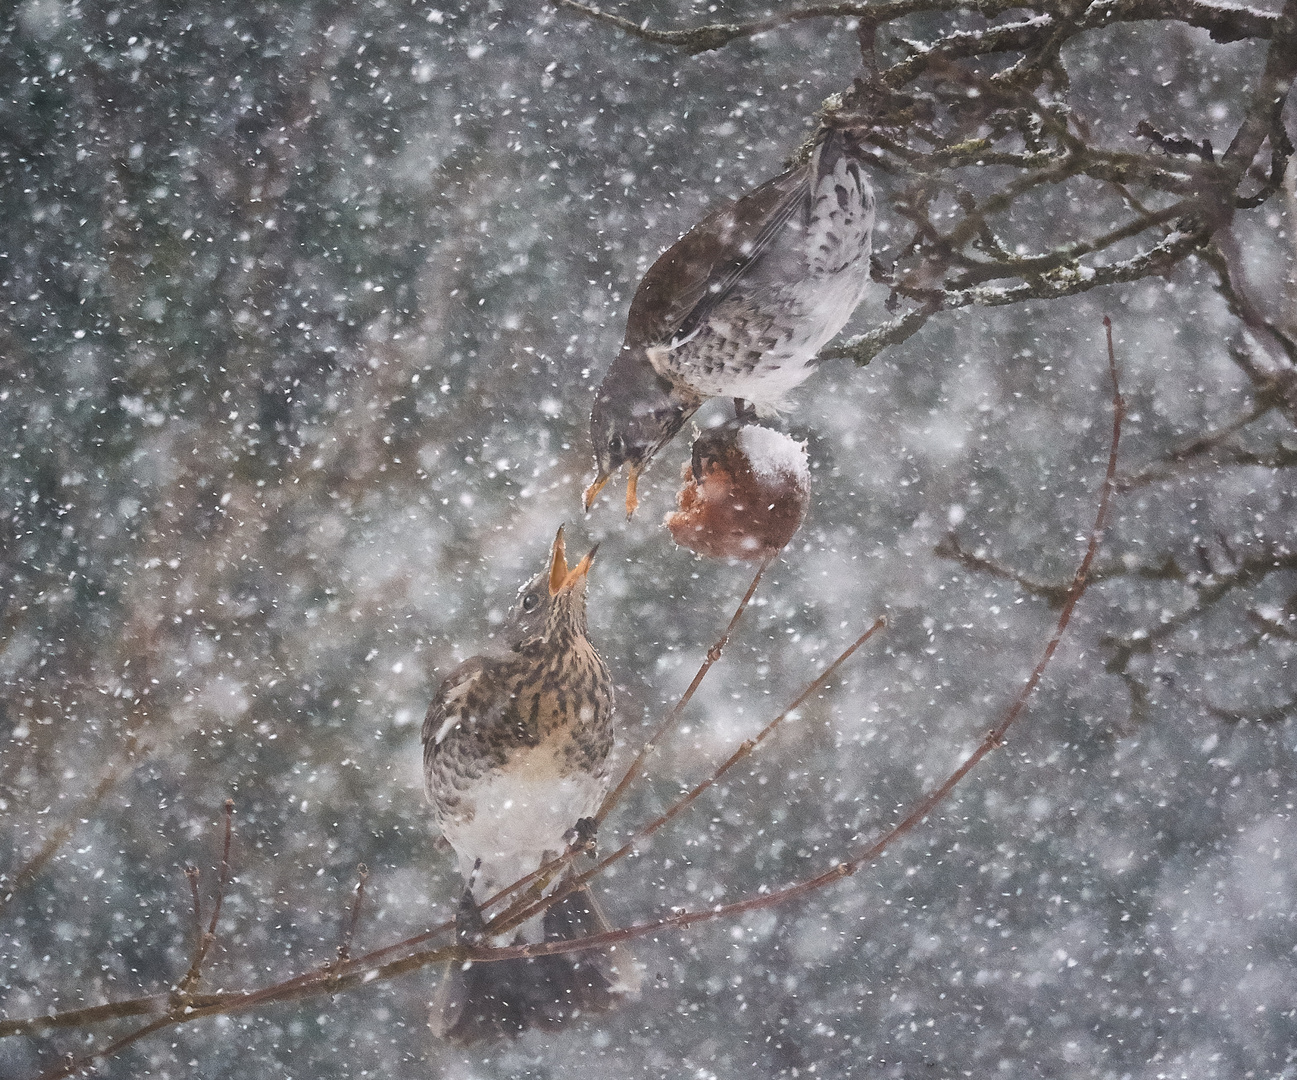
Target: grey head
636, 413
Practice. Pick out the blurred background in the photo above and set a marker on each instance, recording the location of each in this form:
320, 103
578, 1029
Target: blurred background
301, 311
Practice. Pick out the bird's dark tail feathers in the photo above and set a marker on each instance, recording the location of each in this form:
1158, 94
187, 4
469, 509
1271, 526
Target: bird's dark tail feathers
493, 1000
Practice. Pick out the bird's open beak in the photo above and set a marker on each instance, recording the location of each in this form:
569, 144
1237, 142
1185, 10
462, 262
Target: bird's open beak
561, 576
632, 482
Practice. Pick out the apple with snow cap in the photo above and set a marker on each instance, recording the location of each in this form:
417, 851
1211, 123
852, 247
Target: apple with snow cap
745, 494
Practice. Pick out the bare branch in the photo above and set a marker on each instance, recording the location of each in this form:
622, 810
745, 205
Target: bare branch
1222, 256
1266, 107
1209, 589
950, 548
1203, 444
1225, 22
344, 950
717, 35
204, 942
61, 833
76, 1065
1058, 283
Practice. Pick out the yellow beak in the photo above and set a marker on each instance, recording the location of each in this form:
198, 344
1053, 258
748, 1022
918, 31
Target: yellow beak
632, 482
562, 576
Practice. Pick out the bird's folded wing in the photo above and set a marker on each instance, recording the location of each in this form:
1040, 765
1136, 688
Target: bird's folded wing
447, 706
703, 267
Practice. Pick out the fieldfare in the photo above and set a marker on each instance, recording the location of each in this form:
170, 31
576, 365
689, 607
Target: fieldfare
514, 759
738, 307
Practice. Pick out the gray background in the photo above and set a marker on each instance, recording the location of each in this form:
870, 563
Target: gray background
302, 310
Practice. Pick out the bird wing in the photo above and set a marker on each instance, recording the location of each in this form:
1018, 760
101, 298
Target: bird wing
450, 705
702, 268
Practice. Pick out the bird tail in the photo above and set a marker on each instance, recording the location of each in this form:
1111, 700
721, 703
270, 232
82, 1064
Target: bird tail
479, 1001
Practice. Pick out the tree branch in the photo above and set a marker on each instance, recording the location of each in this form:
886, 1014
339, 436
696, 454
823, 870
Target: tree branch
1225, 22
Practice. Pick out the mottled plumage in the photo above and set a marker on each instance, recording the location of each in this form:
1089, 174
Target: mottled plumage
738, 307
515, 748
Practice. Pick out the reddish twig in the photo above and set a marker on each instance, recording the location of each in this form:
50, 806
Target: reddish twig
225, 866
191, 872
344, 950
205, 940
713, 654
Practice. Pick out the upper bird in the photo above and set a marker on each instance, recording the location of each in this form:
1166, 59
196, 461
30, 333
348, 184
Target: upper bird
514, 757
738, 307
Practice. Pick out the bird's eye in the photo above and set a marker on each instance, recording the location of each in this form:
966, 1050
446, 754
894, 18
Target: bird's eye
530, 601
616, 445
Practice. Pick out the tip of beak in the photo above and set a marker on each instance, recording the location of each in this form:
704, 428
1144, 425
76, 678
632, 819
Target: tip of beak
557, 564
592, 492
579, 571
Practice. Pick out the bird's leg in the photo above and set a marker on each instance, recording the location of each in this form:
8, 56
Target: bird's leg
744, 409
468, 920
696, 460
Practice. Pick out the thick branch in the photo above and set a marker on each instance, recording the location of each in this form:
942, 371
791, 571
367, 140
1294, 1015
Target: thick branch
1224, 22
1064, 281
712, 36
1264, 110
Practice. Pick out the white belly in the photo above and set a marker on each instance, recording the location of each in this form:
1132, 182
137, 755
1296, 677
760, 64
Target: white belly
512, 820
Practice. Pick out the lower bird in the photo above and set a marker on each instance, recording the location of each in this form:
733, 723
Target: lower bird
738, 307
515, 749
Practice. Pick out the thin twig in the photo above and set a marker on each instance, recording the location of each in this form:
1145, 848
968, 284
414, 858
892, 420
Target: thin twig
344, 950
225, 867
60, 834
77, 1065
668, 721
205, 940
191, 873
1163, 469
1224, 257
950, 547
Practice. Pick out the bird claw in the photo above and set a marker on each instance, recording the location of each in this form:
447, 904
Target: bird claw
581, 838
